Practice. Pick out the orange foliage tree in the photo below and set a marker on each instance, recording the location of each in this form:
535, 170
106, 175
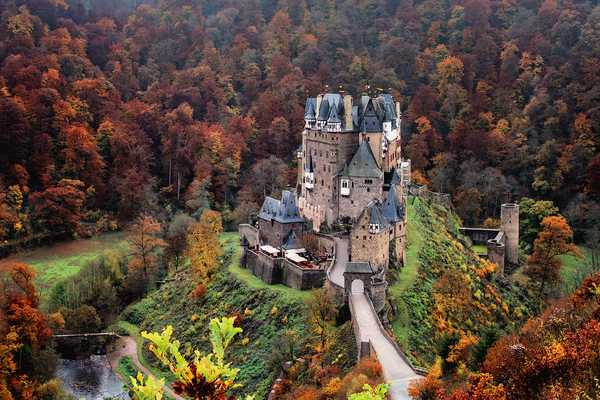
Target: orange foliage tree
23, 329
554, 239
143, 237
204, 248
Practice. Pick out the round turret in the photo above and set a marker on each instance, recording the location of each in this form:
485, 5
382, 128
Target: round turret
509, 216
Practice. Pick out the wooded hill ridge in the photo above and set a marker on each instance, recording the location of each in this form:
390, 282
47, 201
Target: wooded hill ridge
109, 107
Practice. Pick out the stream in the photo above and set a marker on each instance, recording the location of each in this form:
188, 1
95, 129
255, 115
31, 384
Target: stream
90, 378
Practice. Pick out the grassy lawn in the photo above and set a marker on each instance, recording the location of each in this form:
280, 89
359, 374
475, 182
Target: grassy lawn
480, 249
574, 270
59, 261
408, 274
231, 242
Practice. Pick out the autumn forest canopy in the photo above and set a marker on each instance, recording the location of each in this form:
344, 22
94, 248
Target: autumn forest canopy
111, 107
171, 120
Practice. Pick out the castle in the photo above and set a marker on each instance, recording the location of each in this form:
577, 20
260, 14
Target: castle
352, 182
350, 174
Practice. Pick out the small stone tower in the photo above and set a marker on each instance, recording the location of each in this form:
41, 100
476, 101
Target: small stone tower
509, 216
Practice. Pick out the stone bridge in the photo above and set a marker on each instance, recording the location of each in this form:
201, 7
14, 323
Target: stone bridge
357, 287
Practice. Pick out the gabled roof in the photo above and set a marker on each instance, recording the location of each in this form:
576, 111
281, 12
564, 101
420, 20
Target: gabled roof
370, 120
284, 210
333, 116
363, 163
371, 112
376, 216
331, 104
393, 210
310, 109
360, 267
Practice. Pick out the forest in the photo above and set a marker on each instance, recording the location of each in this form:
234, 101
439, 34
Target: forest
144, 115
108, 108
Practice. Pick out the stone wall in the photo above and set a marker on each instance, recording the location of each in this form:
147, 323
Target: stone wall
479, 235
265, 267
362, 192
250, 233
377, 294
442, 199
326, 243
330, 152
399, 239
496, 253
274, 233
393, 156
302, 278
370, 247
509, 217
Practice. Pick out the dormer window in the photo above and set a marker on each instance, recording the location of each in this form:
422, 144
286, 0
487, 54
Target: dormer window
345, 187
309, 122
334, 127
309, 180
374, 228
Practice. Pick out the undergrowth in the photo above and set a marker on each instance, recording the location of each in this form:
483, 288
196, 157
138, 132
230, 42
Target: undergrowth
455, 292
264, 314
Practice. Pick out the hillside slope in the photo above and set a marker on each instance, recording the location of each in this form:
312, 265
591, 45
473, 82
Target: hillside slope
266, 314
454, 294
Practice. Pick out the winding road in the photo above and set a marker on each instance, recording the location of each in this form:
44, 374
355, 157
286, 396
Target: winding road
127, 346
396, 371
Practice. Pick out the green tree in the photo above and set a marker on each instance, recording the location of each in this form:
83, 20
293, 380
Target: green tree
371, 393
531, 214
205, 377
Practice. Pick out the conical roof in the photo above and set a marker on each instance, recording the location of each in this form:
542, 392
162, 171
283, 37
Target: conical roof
393, 210
363, 163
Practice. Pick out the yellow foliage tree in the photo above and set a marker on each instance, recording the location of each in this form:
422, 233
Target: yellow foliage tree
204, 247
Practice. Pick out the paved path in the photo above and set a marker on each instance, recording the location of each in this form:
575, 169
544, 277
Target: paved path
126, 346
396, 371
341, 258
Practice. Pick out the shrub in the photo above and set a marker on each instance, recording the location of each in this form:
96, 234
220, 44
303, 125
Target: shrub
199, 291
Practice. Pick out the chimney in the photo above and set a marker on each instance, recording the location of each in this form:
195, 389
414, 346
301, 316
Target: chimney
319, 99
348, 112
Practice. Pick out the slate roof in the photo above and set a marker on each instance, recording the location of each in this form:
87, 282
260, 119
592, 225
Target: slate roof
360, 267
331, 108
376, 216
368, 114
363, 163
393, 209
284, 211
310, 109
371, 112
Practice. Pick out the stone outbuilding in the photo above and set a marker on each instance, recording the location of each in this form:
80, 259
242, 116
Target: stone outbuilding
278, 218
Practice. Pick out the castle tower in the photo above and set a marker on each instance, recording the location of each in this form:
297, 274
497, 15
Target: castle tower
509, 216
